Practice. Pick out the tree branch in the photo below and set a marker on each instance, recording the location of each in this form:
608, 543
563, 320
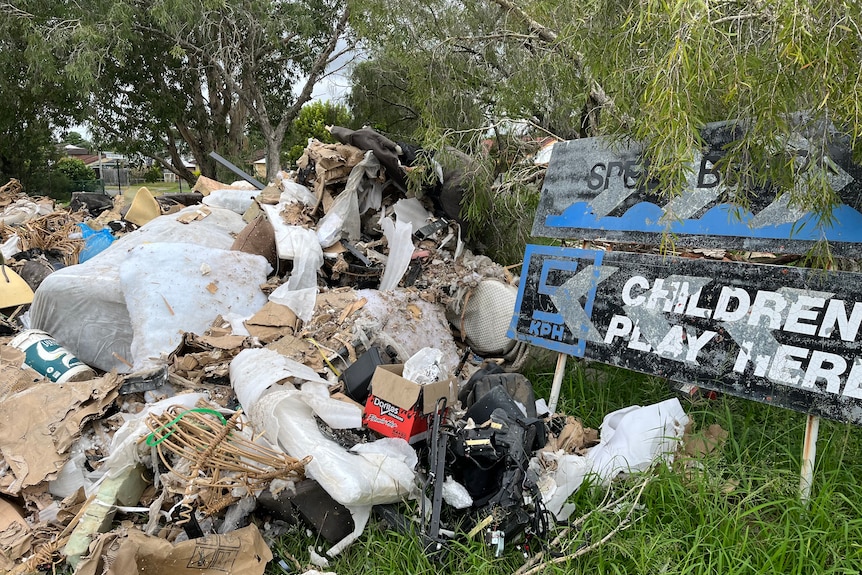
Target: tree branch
598, 98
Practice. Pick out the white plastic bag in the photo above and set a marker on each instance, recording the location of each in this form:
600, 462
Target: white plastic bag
423, 367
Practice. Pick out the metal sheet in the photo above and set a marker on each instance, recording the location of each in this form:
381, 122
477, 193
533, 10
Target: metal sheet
594, 190
773, 334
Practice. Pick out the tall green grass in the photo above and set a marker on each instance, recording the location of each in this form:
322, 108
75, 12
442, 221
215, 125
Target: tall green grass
734, 511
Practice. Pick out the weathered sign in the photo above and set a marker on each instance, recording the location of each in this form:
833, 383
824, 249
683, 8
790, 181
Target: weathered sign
595, 190
774, 334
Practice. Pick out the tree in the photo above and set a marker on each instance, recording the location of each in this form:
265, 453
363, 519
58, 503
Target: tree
36, 101
311, 123
76, 139
74, 169
174, 75
654, 71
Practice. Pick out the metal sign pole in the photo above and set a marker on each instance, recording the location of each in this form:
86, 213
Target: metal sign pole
809, 451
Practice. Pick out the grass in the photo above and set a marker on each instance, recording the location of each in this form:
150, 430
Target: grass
156, 188
736, 512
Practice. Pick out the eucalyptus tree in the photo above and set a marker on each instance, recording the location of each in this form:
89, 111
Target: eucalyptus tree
36, 102
169, 75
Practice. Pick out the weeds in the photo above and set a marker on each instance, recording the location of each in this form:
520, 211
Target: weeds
736, 512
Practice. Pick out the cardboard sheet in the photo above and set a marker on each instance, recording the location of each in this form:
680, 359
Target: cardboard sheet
240, 552
36, 445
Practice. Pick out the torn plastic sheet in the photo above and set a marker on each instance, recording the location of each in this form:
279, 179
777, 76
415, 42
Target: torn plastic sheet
340, 221
299, 245
411, 210
234, 200
569, 473
399, 237
253, 371
124, 451
296, 193
301, 301
10, 247
364, 180
632, 439
379, 472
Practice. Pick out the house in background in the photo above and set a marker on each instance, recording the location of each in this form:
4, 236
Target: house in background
169, 176
258, 164
110, 167
260, 168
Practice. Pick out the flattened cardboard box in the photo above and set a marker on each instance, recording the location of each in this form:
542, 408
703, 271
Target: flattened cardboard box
398, 407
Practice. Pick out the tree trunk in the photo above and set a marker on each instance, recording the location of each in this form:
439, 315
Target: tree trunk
273, 154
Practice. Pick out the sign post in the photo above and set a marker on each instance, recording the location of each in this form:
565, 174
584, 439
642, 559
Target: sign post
780, 335
559, 372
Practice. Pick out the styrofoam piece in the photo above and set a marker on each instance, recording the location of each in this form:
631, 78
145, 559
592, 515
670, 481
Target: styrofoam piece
253, 371
399, 236
455, 494
356, 480
237, 323
234, 200
83, 306
301, 301
167, 294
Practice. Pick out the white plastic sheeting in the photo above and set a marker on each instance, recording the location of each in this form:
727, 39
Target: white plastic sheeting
84, 306
378, 472
386, 319
631, 439
234, 200
170, 290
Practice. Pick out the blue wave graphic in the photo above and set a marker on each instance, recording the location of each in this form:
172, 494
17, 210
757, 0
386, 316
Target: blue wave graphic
720, 220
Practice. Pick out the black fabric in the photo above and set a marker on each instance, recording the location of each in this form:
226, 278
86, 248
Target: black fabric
385, 150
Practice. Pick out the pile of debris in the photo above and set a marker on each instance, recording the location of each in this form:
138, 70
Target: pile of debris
318, 350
